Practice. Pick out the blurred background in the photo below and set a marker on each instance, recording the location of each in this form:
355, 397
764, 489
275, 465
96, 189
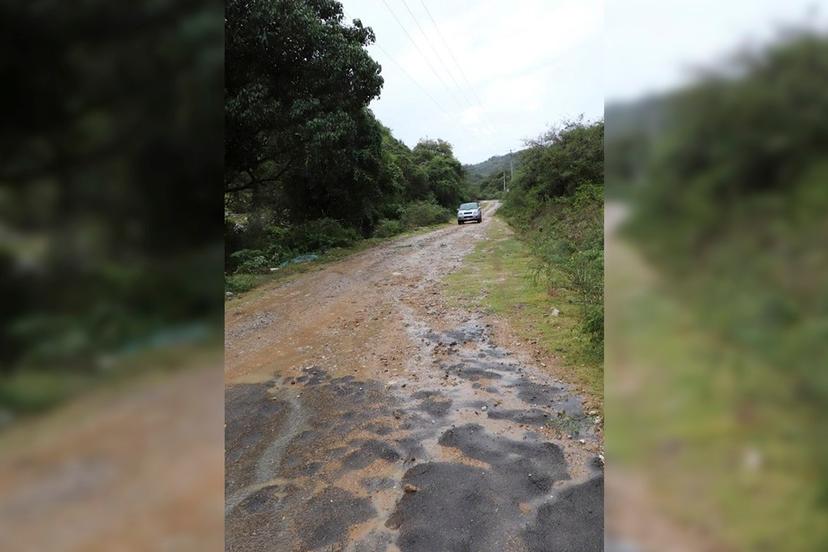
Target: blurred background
716, 298
111, 283
716, 292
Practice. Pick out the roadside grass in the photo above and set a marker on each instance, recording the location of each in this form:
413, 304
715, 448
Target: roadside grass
703, 422
497, 277
241, 283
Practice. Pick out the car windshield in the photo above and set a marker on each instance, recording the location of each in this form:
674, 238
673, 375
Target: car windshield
467, 206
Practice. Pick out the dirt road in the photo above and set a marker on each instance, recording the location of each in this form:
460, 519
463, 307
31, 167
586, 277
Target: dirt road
363, 414
128, 467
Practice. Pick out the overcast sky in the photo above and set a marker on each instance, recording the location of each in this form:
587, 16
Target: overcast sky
653, 46
488, 74
523, 65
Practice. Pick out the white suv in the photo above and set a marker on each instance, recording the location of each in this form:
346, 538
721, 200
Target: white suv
469, 211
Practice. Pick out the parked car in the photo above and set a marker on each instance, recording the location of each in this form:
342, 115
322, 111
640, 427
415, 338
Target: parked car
469, 211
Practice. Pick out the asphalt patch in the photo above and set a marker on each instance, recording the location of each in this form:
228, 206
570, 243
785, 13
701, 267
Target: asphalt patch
252, 418
573, 522
262, 500
437, 408
527, 468
526, 417
326, 517
458, 507
368, 452
474, 374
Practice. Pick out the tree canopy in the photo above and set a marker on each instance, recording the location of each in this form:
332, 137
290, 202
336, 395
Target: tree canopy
301, 143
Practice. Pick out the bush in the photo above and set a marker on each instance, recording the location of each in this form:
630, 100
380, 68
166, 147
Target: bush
567, 240
277, 244
238, 283
387, 228
424, 213
593, 325
320, 235
250, 261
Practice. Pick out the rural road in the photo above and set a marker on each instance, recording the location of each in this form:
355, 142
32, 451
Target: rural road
365, 414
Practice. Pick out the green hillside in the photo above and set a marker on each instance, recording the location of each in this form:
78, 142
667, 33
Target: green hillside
494, 164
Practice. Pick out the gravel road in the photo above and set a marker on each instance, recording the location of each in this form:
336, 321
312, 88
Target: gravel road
365, 414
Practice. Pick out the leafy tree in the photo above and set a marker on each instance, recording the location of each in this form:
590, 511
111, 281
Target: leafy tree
561, 160
302, 146
297, 82
109, 184
443, 172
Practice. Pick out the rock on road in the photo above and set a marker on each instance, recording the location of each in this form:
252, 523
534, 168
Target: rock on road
364, 414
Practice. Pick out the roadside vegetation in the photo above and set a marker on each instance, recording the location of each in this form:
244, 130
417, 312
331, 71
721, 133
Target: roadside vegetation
545, 271
109, 193
486, 179
555, 204
498, 277
309, 171
725, 181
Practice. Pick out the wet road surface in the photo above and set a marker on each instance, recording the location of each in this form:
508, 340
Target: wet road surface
363, 414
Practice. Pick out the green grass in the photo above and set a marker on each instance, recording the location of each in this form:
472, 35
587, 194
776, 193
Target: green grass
497, 277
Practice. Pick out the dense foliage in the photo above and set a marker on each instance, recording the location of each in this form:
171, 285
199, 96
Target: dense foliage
738, 198
303, 150
730, 205
495, 164
556, 203
490, 178
108, 187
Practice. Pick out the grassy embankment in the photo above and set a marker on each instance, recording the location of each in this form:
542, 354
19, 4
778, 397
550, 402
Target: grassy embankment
498, 277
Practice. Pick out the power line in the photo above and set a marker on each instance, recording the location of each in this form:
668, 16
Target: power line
407, 74
485, 123
436, 74
451, 54
430, 66
436, 52
448, 49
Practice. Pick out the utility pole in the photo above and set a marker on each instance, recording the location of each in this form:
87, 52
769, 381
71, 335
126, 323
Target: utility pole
511, 167
504, 181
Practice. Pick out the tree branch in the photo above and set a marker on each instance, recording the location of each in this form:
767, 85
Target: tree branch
256, 181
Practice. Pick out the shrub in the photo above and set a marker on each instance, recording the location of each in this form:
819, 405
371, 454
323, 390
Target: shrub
567, 242
319, 235
238, 283
593, 325
424, 213
250, 261
387, 228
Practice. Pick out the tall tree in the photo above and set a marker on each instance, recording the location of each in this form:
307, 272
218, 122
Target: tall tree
443, 172
297, 83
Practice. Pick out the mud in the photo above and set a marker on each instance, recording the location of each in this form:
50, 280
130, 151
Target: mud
395, 423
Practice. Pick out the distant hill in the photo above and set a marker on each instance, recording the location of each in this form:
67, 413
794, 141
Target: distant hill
493, 164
